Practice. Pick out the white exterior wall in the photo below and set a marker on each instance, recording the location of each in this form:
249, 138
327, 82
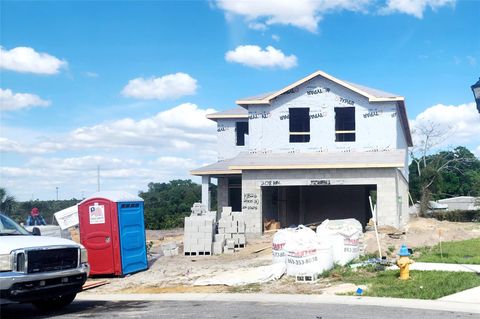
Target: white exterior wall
227, 139
377, 124
391, 211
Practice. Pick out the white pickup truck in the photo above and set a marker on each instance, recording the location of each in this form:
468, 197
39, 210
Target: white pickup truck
45, 271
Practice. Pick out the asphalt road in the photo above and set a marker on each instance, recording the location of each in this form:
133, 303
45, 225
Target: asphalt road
216, 309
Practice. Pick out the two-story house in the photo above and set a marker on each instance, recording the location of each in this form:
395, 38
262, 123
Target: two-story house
313, 150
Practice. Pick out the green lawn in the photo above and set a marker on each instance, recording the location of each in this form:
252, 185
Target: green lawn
453, 252
421, 285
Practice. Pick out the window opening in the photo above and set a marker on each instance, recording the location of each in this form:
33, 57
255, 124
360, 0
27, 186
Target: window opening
299, 122
344, 124
242, 130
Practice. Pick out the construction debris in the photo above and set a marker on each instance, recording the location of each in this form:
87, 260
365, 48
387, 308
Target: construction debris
90, 285
270, 224
245, 276
170, 249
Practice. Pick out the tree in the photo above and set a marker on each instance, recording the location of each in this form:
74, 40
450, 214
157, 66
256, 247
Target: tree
7, 202
167, 204
444, 174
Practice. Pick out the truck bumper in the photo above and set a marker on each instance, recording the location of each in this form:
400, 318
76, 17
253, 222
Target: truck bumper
19, 287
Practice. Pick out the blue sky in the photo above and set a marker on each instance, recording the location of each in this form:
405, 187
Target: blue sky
90, 83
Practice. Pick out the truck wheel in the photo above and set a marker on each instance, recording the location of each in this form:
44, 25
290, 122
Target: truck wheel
54, 303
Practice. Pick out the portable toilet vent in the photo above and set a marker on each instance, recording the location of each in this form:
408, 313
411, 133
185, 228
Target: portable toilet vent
112, 228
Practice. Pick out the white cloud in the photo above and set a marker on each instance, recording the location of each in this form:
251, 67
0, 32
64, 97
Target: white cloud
276, 37
477, 152
460, 121
257, 26
81, 163
254, 56
10, 101
27, 60
180, 127
90, 74
304, 14
171, 86
131, 153
184, 127
176, 162
471, 60
415, 8
11, 146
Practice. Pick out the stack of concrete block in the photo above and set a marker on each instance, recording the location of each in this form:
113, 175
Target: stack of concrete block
198, 209
231, 232
198, 235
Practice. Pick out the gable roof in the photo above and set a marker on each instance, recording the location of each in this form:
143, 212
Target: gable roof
235, 113
373, 95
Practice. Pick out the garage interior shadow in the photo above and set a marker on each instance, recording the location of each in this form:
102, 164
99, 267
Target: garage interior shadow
294, 205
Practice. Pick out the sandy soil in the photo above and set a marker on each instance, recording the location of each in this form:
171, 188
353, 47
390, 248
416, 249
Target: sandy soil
178, 273
421, 232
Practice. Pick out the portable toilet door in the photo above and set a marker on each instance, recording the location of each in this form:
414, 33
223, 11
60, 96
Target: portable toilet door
133, 247
99, 234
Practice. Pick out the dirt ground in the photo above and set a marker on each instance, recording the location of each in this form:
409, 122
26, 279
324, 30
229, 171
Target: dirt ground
178, 273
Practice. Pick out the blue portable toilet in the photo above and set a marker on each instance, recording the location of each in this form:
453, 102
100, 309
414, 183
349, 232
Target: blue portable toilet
112, 228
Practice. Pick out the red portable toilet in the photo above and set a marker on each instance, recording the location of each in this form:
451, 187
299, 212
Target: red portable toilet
112, 229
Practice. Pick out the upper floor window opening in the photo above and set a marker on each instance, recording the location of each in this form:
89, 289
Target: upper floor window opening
241, 129
345, 124
299, 122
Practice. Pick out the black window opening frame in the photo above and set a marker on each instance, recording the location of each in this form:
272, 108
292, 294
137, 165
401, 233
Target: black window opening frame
241, 129
345, 124
299, 124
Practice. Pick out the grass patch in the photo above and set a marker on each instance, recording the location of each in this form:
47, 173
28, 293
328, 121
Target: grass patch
453, 252
421, 285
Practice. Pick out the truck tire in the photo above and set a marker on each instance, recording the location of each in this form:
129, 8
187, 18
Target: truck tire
55, 302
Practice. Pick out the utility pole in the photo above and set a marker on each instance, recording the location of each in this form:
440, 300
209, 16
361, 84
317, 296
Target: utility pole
98, 178
57, 192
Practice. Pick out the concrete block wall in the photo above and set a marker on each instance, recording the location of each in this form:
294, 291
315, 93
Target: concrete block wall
389, 212
252, 204
404, 200
222, 193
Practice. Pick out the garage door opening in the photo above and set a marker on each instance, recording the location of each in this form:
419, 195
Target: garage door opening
294, 205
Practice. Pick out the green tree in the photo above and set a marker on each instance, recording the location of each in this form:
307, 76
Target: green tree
167, 204
7, 202
444, 174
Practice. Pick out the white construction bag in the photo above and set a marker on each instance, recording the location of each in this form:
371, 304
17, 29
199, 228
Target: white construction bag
305, 255
346, 237
278, 243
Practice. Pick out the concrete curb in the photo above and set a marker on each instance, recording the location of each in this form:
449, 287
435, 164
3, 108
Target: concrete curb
438, 305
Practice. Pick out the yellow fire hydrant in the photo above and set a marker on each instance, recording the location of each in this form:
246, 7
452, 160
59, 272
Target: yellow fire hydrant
404, 262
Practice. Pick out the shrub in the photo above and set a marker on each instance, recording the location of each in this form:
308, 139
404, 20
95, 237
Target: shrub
458, 215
